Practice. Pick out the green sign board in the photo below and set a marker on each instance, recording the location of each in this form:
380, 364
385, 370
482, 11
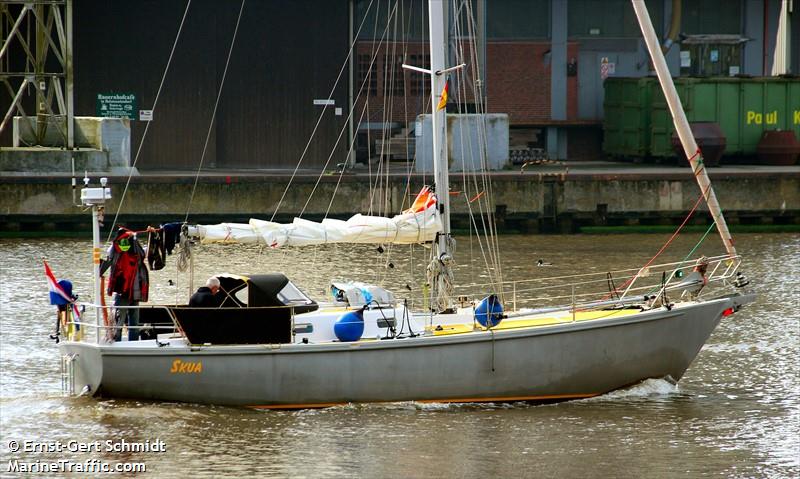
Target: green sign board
116, 105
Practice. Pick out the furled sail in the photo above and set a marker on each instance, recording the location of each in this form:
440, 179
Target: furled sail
418, 224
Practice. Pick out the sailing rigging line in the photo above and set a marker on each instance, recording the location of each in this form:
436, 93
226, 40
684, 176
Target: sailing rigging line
364, 110
628, 283
387, 63
341, 172
423, 104
703, 238
341, 132
214, 113
486, 256
349, 58
690, 253
147, 125
406, 195
389, 112
407, 88
369, 115
474, 230
387, 58
386, 85
397, 83
338, 181
481, 107
479, 167
491, 253
483, 156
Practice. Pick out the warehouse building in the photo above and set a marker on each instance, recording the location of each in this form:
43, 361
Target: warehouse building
291, 74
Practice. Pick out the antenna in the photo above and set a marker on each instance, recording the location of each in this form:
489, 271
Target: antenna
429, 72
74, 181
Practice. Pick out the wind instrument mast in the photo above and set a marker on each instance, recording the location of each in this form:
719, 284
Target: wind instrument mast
682, 124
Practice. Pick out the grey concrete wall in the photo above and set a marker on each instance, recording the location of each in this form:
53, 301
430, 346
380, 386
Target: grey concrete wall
630, 59
754, 30
465, 142
757, 59
33, 161
521, 198
110, 135
673, 195
794, 54
115, 138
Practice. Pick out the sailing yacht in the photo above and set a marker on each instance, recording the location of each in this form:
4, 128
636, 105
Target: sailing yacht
275, 347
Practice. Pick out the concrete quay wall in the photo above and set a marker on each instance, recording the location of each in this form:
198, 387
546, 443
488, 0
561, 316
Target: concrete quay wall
547, 200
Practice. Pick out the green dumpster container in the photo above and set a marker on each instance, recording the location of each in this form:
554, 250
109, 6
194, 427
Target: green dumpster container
627, 116
743, 107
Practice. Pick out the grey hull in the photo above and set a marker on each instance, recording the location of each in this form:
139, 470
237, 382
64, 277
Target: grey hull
554, 362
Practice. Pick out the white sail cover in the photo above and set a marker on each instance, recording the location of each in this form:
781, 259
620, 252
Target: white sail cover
419, 224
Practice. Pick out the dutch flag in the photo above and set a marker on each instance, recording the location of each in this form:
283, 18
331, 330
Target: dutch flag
58, 295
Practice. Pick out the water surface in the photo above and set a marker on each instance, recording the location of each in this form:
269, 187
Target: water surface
736, 413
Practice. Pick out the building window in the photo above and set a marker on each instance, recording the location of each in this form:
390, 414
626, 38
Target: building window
407, 19
518, 19
394, 74
417, 81
711, 16
369, 71
610, 18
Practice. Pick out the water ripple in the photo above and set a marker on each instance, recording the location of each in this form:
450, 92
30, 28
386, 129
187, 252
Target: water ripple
736, 413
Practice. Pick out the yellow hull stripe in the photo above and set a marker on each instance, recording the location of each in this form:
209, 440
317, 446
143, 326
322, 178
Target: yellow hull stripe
523, 322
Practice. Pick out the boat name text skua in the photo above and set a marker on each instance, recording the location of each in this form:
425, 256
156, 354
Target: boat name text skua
186, 367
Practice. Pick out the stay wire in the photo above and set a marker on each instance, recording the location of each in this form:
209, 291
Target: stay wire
691, 252
630, 280
338, 139
147, 126
702, 238
372, 75
387, 65
341, 173
214, 113
483, 136
491, 260
321, 115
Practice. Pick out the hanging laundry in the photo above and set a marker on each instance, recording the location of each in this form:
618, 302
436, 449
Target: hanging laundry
172, 232
156, 249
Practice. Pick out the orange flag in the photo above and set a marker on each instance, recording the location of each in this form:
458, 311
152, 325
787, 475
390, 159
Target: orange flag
443, 101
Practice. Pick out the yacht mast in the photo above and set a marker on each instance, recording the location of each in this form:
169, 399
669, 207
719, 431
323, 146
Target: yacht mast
438, 120
682, 124
440, 271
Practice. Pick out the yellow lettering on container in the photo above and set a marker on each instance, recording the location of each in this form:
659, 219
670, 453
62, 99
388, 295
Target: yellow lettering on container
753, 117
772, 118
186, 367
797, 117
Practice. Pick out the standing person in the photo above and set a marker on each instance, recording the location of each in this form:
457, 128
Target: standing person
128, 281
206, 296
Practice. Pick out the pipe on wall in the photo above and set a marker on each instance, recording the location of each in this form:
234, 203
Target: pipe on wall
674, 27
